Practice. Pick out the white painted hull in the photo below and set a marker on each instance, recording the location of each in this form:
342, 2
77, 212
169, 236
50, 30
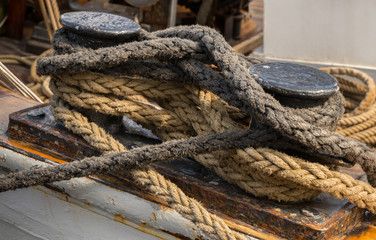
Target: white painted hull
30, 214
82, 208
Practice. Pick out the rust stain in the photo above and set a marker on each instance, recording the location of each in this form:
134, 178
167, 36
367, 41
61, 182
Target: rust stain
119, 218
180, 236
249, 230
366, 233
53, 188
30, 150
143, 223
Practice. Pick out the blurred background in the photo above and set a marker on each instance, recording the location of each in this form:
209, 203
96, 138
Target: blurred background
318, 32
30, 21
27, 27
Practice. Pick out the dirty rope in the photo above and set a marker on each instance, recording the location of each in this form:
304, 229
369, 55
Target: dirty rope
187, 83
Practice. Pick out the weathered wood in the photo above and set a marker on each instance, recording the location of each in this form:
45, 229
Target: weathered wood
325, 217
249, 45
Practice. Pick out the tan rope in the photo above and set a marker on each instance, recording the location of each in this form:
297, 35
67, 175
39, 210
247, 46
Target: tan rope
51, 15
216, 121
13, 59
47, 21
265, 165
360, 93
56, 13
41, 89
176, 111
369, 98
211, 226
41, 83
185, 108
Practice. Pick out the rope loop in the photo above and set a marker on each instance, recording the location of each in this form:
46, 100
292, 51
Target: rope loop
190, 88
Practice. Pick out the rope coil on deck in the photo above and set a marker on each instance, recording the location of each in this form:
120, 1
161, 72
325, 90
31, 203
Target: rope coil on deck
187, 83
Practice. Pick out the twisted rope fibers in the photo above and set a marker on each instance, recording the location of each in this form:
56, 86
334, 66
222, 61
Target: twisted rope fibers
249, 96
359, 121
186, 60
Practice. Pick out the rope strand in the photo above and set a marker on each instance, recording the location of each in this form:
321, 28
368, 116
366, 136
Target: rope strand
187, 83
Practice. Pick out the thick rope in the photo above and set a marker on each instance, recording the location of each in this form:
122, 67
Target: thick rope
13, 59
47, 20
51, 15
224, 98
243, 181
213, 118
210, 226
359, 121
355, 191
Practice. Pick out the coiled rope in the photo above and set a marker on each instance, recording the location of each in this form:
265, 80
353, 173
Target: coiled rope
40, 86
359, 121
187, 83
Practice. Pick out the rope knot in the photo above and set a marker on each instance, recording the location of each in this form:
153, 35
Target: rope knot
202, 89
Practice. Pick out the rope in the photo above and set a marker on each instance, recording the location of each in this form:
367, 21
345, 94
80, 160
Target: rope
13, 59
213, 120
40, 86
187, 84
51, 15
359, 121
47, 20
3, 21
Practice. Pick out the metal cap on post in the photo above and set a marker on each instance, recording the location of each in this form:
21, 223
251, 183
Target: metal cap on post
96, 30
100, 25
294, 81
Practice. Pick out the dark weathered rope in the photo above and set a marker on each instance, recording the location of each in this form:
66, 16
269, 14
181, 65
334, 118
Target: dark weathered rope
186, 51
167, 151
183, 43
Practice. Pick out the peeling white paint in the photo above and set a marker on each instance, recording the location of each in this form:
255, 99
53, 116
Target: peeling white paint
89, 212
37, 215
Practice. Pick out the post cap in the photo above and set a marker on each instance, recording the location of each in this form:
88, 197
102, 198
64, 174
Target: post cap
100, 25
294, 80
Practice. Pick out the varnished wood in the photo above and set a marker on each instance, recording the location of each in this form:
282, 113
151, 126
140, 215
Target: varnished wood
249, 45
